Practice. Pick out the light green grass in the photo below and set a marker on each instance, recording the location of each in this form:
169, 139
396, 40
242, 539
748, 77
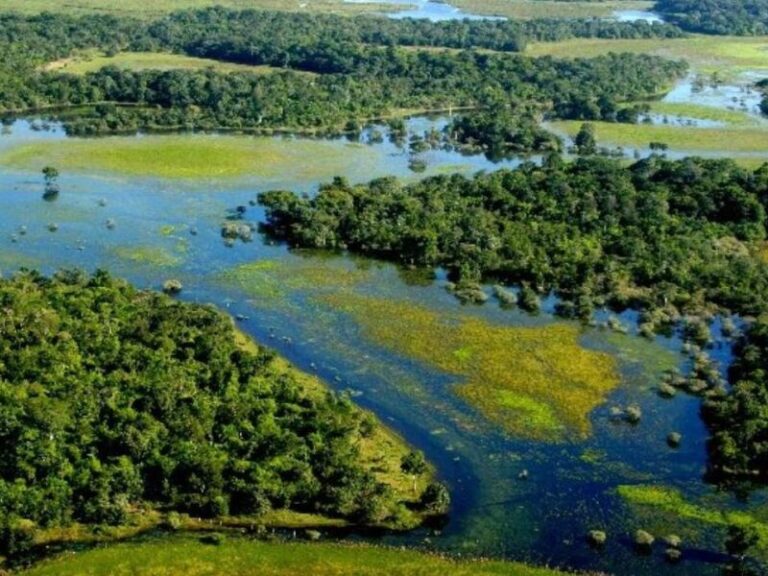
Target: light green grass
530, 9
702, 112
727, 55
745, 144
186, 556
191, 156
136, 61
144, 9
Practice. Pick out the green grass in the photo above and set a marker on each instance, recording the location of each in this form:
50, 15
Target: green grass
727, 55
701, 112
186, 556
190, 156
143, 9
748, 144
530, 9
93, 61
534, 382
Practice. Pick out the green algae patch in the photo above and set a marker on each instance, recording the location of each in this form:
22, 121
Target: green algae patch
534, 382
653, 358
272, 280
151, 255
671, 501
178, 555
191, 156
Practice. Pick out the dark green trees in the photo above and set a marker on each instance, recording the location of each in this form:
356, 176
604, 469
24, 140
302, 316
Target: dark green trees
112, 399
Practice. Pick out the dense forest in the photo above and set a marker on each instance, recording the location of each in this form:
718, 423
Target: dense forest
114, 398
674, 239
738, 17
351, 81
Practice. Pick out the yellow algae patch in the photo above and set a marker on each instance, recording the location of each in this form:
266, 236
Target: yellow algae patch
535, 382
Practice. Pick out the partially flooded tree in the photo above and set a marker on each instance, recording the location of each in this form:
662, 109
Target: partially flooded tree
51, 179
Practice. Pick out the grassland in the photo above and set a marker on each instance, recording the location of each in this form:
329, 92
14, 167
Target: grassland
530, 9
191, 156
142, 9
93, 61
535, 383
726, 55
178, 555
747, 145
702, 112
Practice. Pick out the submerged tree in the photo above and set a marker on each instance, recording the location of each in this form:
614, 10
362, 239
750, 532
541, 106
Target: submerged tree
51, 179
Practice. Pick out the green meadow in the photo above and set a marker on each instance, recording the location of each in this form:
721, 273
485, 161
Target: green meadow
747, 145
726, 55
187, 556
137, 61
190, 156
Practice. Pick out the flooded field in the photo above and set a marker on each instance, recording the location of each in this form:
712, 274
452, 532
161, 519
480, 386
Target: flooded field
520, 413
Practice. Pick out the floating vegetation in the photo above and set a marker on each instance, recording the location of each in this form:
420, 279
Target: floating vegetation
536, 383
271, 279
152, 255
672, 502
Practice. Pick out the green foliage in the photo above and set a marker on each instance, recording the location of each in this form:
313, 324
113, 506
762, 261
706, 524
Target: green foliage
436, 498
363, 73
414, 463
585, 140
737, 17
741, 538
112, 398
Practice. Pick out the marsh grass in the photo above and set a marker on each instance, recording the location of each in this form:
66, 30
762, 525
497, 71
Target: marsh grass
534, 382
191, 156
187, 556
727, 55
92, 61
670, 502
748, 143
150, 255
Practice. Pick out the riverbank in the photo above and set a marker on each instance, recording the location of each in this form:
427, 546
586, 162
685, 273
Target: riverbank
177, 555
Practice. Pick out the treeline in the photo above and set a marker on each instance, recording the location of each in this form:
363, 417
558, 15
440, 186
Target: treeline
737, 17
675, 239
375, 83
269, 37
113, 399
354, 81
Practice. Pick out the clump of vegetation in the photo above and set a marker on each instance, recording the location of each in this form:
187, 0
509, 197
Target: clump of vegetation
51, 178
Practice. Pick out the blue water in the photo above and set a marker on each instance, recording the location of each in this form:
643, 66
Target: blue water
544, 518
426, 9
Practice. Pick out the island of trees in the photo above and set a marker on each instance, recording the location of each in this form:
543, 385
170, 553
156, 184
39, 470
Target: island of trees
737, 17
115, 400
